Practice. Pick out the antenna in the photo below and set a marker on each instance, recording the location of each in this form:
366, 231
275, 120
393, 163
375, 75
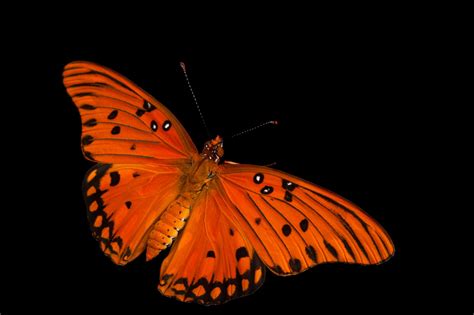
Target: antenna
270, 122
183, 66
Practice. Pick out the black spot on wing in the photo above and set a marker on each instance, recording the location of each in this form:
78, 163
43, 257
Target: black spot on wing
277, 269
128, 204
114, 178
211, 254
286, 229
140, 112
348, 249
286, 184
295, 264
148, 106
258, 178
90, 123
87, 139
241, 253
311, 253
258, 220
88, 107
266, 190
304, 225
113, 114
288, 196
166, 125
331, 249
115, 130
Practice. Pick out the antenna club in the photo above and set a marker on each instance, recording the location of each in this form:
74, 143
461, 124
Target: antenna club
183, 66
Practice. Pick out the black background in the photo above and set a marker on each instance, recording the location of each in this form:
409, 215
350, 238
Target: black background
342, 90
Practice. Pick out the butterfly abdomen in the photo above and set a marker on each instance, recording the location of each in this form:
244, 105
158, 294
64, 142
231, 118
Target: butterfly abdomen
173, 219
167, 227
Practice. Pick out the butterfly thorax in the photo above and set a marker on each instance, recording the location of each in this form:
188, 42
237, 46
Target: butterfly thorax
213, 150
173, 219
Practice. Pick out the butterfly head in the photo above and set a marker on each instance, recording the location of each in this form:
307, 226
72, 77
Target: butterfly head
214, 149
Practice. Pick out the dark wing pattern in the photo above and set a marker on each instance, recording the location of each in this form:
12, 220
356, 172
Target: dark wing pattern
123, 202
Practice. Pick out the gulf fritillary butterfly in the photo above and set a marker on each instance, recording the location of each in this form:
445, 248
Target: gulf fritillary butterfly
229, 221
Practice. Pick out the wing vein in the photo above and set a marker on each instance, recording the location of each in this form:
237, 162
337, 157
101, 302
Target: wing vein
293, 227
364, 225
266, 219
222, 189
342, 239
104, 75
136, 107
345, 224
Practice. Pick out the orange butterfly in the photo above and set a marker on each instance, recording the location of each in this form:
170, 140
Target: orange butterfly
230, 221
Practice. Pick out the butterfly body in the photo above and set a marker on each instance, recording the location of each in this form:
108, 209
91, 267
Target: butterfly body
202, 171
226, 223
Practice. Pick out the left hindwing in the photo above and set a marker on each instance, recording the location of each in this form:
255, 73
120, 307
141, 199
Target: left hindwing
295, 225
123, 202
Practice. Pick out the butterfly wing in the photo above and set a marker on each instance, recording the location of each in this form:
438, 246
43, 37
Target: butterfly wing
212, 261
123, 202
294, 225
144, 150
121, 122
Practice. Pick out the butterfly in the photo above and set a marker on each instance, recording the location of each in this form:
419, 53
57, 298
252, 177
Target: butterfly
226, 223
